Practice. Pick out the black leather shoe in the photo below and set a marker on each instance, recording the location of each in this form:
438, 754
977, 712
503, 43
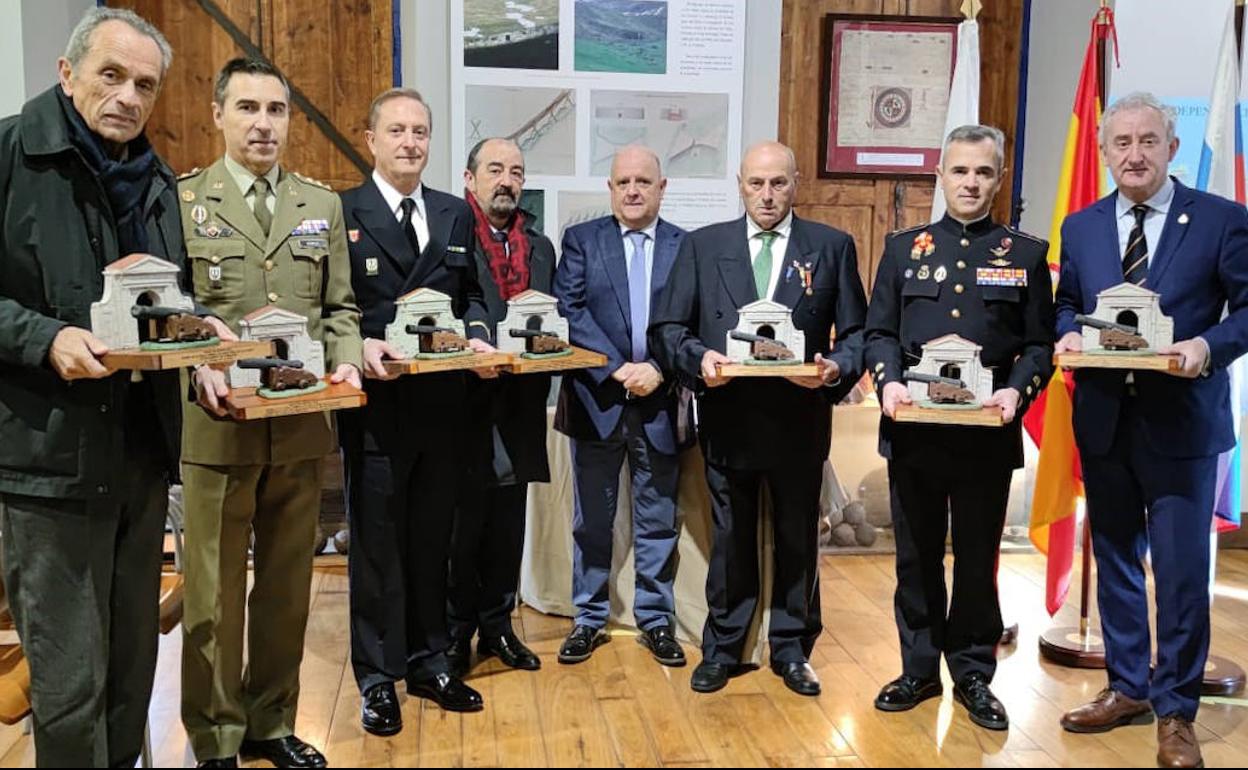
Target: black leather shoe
222, 762
905, 692
459, 657
511, 651
447, 691
283, 752
798, 676
709, 677
379, 713
581, 643
662, 644
981, 705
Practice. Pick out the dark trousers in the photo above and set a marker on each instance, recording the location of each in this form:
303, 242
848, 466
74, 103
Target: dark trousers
732, 580
925, 498
83, 581
486, 548
655, 480
1141, 502
399, 516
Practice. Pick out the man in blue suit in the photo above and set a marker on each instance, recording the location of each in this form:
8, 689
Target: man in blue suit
1149, 441
611, 271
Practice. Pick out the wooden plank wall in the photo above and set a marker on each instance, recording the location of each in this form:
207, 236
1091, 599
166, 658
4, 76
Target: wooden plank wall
870, 209
338, 54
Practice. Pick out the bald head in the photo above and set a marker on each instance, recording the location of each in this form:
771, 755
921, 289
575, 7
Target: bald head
768, 182
637, 186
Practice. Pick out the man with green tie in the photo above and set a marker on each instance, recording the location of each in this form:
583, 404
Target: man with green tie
257, 235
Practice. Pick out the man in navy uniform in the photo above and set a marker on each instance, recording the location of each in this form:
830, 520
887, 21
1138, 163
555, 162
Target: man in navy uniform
989, 284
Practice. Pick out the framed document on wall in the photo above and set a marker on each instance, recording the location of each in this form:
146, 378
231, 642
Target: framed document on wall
885, 92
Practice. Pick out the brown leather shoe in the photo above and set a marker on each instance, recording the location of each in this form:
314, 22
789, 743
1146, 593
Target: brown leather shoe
1176, 743
1110, 709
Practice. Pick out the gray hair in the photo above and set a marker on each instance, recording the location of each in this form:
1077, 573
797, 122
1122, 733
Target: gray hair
1138, 100
397, 93
80, 39
973, 134
476, 150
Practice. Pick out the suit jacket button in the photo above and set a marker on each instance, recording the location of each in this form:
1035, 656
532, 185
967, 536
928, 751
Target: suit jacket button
955, 313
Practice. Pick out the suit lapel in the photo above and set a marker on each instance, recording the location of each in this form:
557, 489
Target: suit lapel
1108, 234
1171, 236
735, 270
666, 244
378, 221
611, 247
230, 206
287, 214
789, 286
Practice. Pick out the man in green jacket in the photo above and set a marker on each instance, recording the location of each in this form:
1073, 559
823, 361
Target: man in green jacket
257, 234
85, 453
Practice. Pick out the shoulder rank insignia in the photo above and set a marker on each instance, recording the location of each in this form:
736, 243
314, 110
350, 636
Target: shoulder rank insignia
189, 174
310, 180
923, 246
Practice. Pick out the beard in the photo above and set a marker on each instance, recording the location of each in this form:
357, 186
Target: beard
503, 204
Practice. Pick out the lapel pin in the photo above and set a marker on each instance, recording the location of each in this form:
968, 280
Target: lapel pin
199, 214
188, 195
1183, 218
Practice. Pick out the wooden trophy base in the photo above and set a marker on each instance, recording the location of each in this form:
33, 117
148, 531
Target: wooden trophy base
580, 358
245, 404
1222, 677
451, 364
1065, 646
986, 416
1155, 362
156, 360
767, 370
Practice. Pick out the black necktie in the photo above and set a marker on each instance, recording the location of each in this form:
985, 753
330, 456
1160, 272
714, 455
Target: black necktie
409, 206
1135, 258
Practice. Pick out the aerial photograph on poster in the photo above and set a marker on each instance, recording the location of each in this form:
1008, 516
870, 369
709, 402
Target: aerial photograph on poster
542, 121
621, 36
688, 131
507, 33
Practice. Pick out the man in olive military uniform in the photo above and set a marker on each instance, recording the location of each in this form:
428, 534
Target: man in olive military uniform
256, 235
969, 276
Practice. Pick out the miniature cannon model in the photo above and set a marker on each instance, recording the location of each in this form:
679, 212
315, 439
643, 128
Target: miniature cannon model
763, 348
941, 390
137, 280
437, 339
280, 374
1114, 336
171, 324
540, 342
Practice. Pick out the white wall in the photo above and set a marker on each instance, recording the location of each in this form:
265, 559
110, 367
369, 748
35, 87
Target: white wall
13, 86
425, 36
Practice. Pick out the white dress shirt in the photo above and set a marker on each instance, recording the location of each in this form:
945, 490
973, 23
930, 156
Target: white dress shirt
779, 247
394, 199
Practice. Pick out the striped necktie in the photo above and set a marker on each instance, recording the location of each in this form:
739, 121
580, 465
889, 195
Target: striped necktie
1135, 258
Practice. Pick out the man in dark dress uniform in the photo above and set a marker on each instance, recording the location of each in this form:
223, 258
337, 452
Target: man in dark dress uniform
989, 284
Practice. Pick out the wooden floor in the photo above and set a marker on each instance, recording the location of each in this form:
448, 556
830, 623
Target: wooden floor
620, 708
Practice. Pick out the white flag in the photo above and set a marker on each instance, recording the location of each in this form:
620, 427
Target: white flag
963, 95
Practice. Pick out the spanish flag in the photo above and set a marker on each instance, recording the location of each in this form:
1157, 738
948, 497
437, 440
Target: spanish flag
1059, 482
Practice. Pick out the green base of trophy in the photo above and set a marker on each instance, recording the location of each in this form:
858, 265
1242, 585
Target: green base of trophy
157, 346
769, 362
447, 354
926, 404
544, 356
266, 393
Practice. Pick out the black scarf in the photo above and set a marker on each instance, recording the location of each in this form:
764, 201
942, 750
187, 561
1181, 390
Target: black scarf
125, 182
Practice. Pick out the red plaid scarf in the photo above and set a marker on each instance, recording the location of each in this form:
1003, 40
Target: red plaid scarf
509, 265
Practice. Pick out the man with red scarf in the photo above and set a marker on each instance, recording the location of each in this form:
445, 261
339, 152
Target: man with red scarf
508, 430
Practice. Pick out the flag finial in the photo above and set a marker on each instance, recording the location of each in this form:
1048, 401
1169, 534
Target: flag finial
971, 8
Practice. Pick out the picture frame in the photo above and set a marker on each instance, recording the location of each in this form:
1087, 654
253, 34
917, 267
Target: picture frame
884, 94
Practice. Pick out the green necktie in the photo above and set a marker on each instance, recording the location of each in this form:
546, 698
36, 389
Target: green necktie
260, 206
762, 263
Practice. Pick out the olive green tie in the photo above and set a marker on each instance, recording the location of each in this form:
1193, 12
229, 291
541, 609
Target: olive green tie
260, 206
762, 263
